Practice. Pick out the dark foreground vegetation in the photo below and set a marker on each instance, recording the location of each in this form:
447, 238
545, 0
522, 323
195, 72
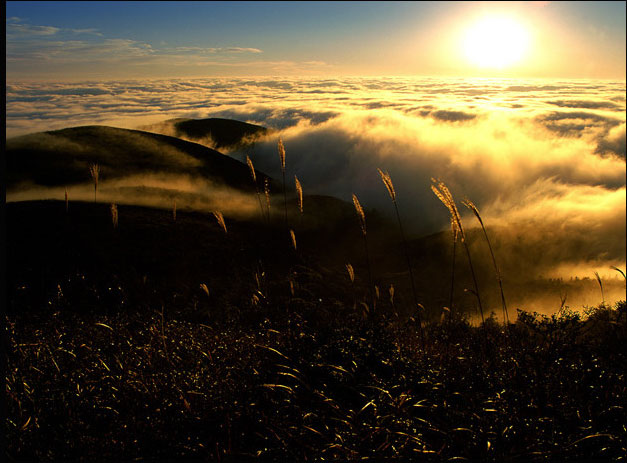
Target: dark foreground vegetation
115, 351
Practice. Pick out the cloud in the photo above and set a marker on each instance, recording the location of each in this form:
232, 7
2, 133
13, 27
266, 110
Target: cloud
19, 30
576, 123
452, 116
43, 48
586, 104
552, 179
613, 142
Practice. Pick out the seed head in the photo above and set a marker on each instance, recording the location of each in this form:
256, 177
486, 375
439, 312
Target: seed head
299, 190
387, 181
351, 272
360, 214
252, 169
282, 154
220, 218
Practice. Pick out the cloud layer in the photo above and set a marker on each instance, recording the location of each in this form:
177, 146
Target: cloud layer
543, 157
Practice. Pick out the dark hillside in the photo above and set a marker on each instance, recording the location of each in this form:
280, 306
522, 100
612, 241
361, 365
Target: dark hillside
63, 157
221, 134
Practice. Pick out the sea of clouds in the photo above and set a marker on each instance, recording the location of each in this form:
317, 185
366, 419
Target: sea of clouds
544, 160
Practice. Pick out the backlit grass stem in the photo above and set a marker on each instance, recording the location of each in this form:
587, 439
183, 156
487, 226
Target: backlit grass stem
387, 181
474, 209
282, 159
254, 177
362, 224
94, 170
444, 195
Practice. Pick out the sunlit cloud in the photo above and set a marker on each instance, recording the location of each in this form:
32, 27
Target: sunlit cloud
543, 160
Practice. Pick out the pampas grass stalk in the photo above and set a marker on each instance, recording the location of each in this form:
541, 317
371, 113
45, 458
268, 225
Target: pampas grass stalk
387, 181
596, 274
220, 218
266, 190
253, 174
619, 271
299, 191
293, 236
444, 195
66, 202
114, 215
362, 224
174, 210
454, 233
351, 276
282, 159
474, 209
94, 170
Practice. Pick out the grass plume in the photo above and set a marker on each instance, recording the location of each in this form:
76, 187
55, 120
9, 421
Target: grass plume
293, 236
94, 171
619, 271
114, 215
299, 192
598, 277
469, 204
282, 159
351, 272
444, 195
253, 174
220, 218
266, 190
362, 224
387, 181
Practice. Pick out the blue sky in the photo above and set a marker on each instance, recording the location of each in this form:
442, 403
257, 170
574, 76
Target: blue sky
70, 40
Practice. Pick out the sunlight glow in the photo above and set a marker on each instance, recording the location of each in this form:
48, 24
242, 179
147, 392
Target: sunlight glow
495, 42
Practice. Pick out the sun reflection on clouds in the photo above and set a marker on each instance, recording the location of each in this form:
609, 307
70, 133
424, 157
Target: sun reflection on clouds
548, 155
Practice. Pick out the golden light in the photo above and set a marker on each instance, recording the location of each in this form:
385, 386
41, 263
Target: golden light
495, 42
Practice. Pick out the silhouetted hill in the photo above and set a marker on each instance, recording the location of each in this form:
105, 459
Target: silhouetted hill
62, 157
215, 132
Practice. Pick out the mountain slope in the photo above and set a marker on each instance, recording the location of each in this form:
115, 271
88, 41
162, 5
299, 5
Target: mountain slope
227, 134
63, 157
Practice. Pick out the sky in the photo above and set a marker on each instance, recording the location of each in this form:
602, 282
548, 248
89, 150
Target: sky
519, 106
126, 40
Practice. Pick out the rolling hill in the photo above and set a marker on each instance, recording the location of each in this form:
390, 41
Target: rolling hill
62, 157
220, 134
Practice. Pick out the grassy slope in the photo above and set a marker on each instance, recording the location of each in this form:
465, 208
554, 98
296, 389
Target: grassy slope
97, 370
62, 157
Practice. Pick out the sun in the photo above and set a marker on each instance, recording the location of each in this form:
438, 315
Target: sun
495, 42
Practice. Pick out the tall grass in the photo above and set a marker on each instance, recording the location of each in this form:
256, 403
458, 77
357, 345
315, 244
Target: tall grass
455, 234
220, 218
596, 274
254, 177
364, 232
387, 181
266, 191
114, 215
474, 209
94, 171
299, 192
444, 195
293, 237
282, 159
619, 271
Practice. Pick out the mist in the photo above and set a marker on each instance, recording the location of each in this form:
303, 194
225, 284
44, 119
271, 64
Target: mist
543, 160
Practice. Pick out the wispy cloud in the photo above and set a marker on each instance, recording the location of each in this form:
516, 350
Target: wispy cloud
38, 50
